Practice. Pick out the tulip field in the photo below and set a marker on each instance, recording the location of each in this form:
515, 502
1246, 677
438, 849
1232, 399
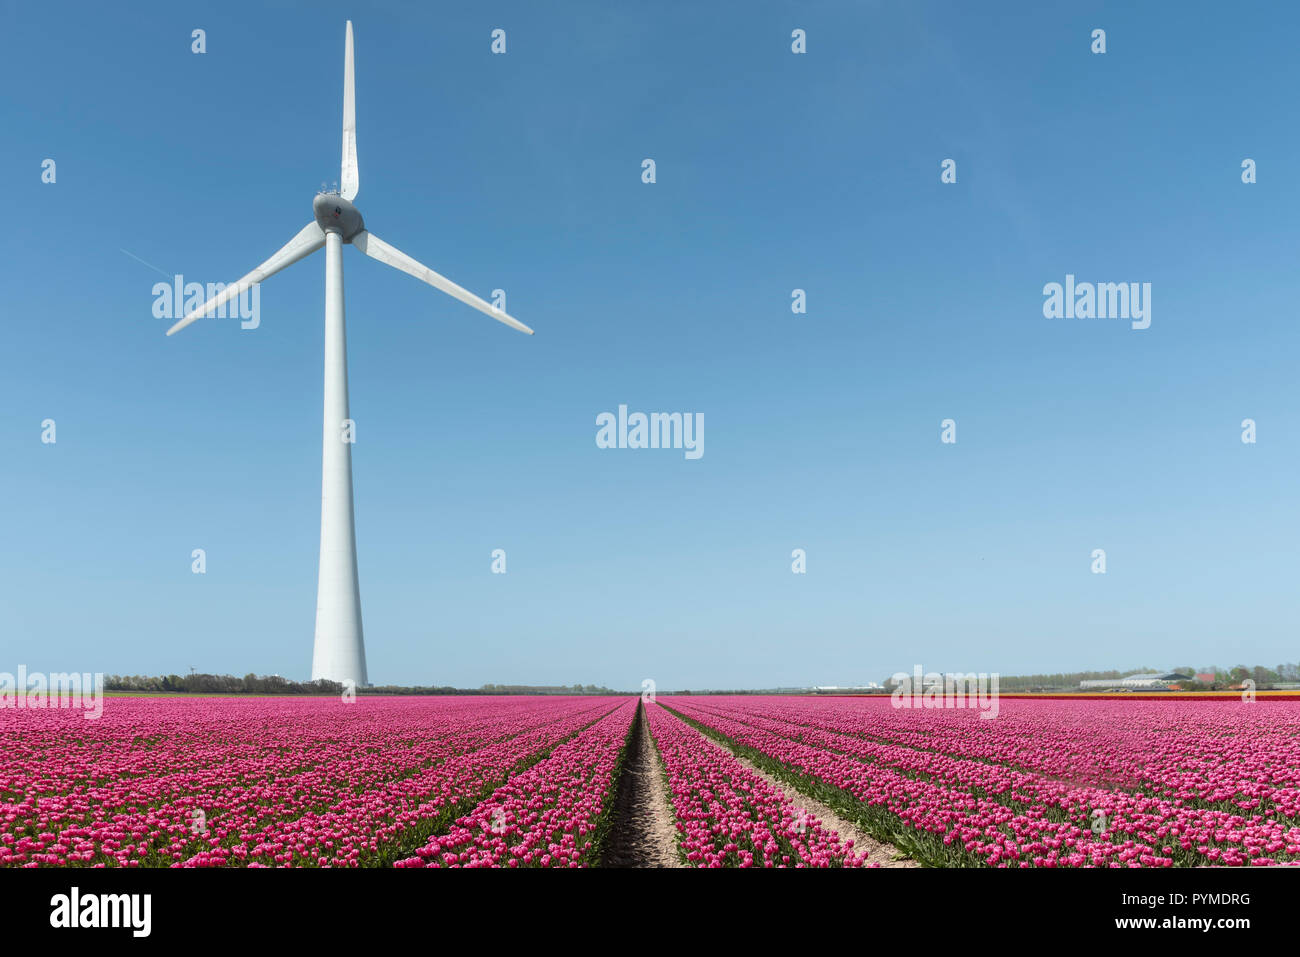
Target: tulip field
262, 781
1048, 783
420, 782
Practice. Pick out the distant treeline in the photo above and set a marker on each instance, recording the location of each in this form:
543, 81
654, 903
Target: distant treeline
548, 689
747, 691
274, 684
1065, 679
218, 684
491, 689
1223, 677
1285, 673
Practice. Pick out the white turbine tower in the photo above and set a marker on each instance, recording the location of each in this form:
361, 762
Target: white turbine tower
340, 653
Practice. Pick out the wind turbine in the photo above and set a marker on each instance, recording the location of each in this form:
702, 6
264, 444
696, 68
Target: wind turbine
339, 653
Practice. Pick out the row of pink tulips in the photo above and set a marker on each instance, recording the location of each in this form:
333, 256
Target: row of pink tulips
995, 814
1216, 752
258, 782
545, 816
728, 816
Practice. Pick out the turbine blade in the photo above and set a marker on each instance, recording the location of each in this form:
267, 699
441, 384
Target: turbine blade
349, 182
308, 240
376, 248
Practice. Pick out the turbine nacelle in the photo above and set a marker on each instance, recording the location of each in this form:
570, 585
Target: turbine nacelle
334, 214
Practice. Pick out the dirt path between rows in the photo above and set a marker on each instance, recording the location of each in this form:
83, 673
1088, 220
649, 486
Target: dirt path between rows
886, 855
644, 833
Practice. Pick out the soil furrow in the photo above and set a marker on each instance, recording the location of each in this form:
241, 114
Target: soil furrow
643, 833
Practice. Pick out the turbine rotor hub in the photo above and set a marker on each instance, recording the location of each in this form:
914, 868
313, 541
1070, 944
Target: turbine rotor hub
334, 214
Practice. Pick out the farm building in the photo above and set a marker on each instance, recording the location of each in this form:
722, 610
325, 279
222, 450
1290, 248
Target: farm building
1135, 682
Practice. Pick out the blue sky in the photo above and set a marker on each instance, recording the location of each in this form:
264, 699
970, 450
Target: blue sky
775, 171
